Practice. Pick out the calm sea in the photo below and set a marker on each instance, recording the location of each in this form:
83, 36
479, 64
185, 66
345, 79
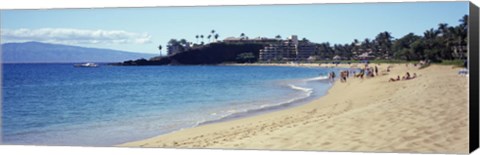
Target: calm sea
58, 104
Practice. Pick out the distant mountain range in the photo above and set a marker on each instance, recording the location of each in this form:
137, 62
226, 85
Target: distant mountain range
37, 52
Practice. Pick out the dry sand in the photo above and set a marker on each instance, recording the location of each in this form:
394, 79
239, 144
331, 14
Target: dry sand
428, 114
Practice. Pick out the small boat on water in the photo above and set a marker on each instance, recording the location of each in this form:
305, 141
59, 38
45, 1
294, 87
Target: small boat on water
86, 65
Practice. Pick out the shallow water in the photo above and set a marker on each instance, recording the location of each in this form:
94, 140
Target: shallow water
58, 104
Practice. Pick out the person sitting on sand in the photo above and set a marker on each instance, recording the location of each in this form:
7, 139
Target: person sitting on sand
370, 72
393, 80
407, 76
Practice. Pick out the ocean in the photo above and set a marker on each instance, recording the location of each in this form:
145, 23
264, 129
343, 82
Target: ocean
58, 104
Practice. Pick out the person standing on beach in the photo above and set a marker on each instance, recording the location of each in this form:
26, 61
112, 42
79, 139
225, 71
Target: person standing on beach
332, 76
341, 76
344, 76
376, 70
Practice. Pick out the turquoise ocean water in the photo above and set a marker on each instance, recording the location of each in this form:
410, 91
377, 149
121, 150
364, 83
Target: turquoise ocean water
58, 104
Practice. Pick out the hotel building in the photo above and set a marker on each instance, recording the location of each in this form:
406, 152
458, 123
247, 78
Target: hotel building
290, 49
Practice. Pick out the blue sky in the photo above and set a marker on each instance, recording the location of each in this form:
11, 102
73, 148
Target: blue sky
143, 29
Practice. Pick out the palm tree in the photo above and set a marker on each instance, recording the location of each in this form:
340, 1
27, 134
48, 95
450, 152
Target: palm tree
458, 40
463, 28
366, 45
443, 27
242, 36
432, 46
278, 37
209, 36
383, 44
201, 36
183, 42
447, 40
160, 49
355, 46
404, 49
431, 34
197, 38
464, 21
216, 36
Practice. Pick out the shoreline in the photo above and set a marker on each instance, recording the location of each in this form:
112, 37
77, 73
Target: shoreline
403, 116
323, 65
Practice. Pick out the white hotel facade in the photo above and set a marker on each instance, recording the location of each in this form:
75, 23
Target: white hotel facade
290, 50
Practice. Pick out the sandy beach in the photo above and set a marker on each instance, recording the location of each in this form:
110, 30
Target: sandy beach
428, 114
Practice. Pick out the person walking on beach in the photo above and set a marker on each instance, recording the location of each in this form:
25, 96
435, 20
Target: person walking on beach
376, 70
343, 76
332, 76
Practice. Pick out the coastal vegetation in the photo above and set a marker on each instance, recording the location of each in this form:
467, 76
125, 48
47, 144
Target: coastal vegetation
213, 53
444, 44
436, 44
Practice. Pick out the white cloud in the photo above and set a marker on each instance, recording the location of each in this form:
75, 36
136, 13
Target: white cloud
74, 36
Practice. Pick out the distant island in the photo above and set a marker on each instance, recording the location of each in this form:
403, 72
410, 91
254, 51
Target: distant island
38, 52
443, 44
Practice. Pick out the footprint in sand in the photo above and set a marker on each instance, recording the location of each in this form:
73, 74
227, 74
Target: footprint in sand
326, 143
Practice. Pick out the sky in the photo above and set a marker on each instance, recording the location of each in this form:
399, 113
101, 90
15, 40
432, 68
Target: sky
143, 29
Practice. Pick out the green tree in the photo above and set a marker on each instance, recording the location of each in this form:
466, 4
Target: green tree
402, 48
183, 43
325, 51
216, 36
242, 36
305, 40
366, 46
246, 57
383, 44
177, 46
160, 49
433, 46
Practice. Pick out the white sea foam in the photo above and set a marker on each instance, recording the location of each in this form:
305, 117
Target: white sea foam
300, 88
236, 113
317, 78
